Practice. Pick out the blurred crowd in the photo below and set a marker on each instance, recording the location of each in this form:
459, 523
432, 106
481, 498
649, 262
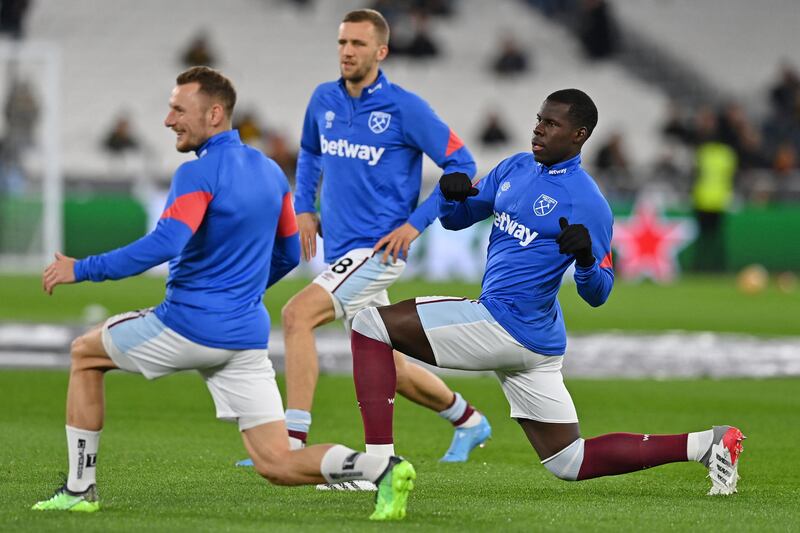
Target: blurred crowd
753, 152
762, 147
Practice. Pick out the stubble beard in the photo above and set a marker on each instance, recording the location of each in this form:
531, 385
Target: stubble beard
356, 76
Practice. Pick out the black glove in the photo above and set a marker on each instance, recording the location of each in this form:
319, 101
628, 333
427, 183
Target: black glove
457, 186
574, 240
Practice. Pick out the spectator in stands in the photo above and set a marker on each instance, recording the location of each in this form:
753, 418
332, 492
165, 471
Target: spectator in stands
493, 133
751, 151
676, 126
785, 161
199, 52
277, 147
435, 8
732, 124
121, 138
421, 45
716, 165
250, 130
393, 11
551, 8
785, 92
611, 157
611, 163
512, 59
21, 112
12, 16
597, 29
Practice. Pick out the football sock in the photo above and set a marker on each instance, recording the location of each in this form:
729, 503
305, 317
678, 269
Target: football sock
375, 379
473, 420
82, 447
340, 463
384, 450
298, 422
460, 413
620, 453
698, 443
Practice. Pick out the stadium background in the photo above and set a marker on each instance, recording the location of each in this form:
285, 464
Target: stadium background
72, 70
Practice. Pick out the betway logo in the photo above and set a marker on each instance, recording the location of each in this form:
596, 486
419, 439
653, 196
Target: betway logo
343, 148
519, 231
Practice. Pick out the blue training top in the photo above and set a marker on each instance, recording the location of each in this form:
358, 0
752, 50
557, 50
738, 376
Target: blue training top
524, 267
368, 151
229, 230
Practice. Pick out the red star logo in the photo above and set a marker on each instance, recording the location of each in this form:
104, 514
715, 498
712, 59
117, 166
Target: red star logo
647, 244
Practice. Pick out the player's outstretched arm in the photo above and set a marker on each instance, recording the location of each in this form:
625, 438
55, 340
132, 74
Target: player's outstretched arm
166, 241
462, 203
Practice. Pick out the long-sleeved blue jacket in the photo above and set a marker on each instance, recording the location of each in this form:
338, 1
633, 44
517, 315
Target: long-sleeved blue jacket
229, 231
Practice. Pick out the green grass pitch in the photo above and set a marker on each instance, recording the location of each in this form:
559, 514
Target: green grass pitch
165, 464
695, 303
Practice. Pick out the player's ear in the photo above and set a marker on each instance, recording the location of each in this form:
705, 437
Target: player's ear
581, 134
383, 51
217, 114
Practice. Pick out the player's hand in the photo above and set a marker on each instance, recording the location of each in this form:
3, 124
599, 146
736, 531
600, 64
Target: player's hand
308, 224
60, 271
396, 242
457, 186
574, 239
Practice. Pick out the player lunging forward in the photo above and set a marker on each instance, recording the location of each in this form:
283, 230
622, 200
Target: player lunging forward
548, 212
229, 231
366, 137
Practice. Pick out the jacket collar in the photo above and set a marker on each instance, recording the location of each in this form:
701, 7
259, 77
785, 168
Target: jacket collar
380, 84
225, 137
562, 167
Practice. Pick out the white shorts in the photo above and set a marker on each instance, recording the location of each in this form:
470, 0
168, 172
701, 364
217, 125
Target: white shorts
359, 280
241, 382
464, 335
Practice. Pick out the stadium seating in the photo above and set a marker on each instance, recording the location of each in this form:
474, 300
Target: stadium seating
711, 36
125, 56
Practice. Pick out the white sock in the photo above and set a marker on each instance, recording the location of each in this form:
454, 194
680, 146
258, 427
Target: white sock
698, 443
473, 420
82, 447
384, 450
340, 463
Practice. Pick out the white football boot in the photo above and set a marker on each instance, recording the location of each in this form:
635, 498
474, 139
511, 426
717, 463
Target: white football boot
355, 485
722, 459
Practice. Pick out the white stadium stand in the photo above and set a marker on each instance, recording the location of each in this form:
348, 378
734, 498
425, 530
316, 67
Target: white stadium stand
123, 55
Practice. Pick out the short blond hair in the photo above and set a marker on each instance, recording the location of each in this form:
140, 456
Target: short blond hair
213, 84
374, 18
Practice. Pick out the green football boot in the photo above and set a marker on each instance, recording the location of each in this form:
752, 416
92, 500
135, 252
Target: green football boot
393, 488
66, 500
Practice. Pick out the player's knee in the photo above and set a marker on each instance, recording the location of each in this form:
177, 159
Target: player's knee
566, 464
368, 322
78, 349
293, 316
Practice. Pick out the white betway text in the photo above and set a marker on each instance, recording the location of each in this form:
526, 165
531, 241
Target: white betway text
519, 231
343, 148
